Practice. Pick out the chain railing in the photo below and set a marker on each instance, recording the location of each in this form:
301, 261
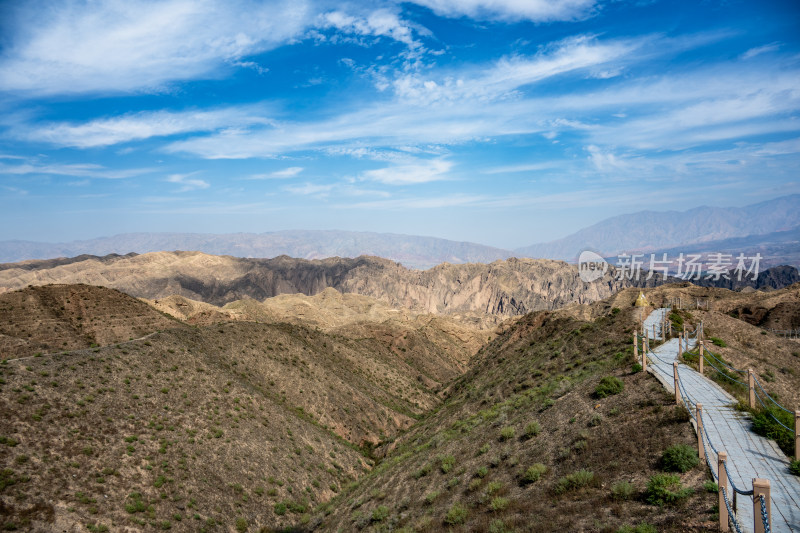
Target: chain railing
695, 412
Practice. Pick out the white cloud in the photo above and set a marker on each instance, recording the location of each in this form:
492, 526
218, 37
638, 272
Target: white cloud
512, 73
286, 173
137, 126
423, 172
123, 45
308, 189
379, 23
84, 170
757, 51
513, 10
187, 183
604, 160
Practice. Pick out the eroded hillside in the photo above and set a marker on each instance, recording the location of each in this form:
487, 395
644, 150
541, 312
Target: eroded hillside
502, 288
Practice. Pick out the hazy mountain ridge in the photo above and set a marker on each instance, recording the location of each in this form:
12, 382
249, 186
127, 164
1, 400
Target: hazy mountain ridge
761, 226
411, 250
656, 230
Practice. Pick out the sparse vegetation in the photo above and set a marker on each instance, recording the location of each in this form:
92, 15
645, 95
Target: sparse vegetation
574, 481
679, 458
666, 489
608, 386
457, 514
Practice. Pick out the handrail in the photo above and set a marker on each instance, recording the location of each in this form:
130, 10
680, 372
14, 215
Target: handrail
691, 406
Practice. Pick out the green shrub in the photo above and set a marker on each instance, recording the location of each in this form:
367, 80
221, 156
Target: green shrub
498, 526
666, 489
711, 487
532, 429
534, 473
493, 487
622, 490
718, 342
636, 368
135, 503
765, 425
679, 458
431, 497
447, 463
482, 471
574, 481
380, 513
457, 514
507, 433
794, 467
241, 525
608, 386
615, 310
498, 503
280, 508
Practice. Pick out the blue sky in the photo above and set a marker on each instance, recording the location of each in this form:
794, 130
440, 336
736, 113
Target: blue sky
504, 122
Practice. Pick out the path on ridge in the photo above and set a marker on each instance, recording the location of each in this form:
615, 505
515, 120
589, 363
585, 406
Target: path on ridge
749, 455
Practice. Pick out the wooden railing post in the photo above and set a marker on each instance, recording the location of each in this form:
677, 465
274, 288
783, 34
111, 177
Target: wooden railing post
797, 435
698, 414
761, 488
677, 388
752, 385
702, 357
680, 345
723, 484
654, 332
635, 347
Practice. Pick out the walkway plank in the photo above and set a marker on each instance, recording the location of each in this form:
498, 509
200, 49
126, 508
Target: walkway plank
749, 455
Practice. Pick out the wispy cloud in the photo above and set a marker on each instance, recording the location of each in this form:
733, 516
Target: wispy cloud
422, 172
87, 170
187, 182
138, 126
308, 189
115, 45
286, 173
512, 10
758, 50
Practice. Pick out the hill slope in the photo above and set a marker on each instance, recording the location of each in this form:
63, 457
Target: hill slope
204, 427
67, 317
522, 442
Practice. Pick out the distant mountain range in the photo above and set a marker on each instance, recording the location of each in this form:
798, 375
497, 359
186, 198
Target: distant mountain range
771, 228
412, 251
702, 227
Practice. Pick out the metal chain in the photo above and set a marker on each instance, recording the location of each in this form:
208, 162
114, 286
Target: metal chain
770, 397
735, 488
766, 410
764, 516
731, 516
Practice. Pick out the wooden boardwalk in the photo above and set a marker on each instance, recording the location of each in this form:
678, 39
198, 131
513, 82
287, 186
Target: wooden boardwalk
749, 455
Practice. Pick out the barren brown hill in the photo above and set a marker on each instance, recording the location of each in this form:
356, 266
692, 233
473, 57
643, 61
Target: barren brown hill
503, 288
67, 317
209, 427
349, 315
